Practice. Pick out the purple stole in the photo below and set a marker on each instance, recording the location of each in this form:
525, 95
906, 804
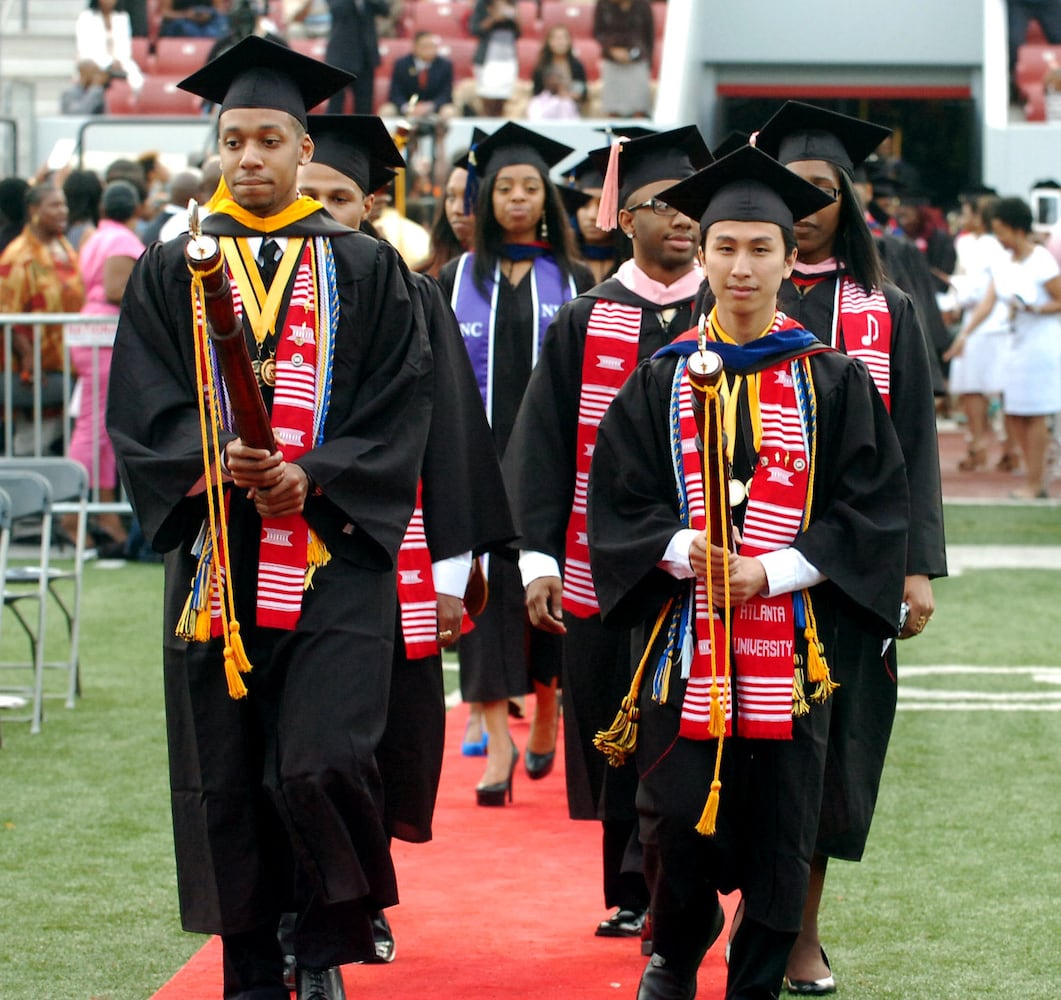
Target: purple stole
477, 315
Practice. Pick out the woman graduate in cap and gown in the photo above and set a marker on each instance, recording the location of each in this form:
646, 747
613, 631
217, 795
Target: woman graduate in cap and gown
838, 292
591, 348
505, 294
279, 559
808, 506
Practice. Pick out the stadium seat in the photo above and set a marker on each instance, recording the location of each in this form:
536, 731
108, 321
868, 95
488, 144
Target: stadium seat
459, 51
142, 55
587, 51
444, 19
529, 24
181, 56
1033, 62
312, 47
159, 96
576, 17
381, 87
659, 16
390, 51
527, 51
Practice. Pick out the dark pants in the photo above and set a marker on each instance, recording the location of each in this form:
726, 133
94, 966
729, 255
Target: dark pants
362, 89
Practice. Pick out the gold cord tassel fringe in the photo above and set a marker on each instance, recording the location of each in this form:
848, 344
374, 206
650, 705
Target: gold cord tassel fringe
817, 667
799, 697
709, 816
619, 741
317, 555
716, 725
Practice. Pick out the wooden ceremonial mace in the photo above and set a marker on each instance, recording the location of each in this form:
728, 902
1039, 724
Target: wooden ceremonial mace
705, 372
203, 256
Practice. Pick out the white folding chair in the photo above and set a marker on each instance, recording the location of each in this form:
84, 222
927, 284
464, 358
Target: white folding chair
69, 484
31, 497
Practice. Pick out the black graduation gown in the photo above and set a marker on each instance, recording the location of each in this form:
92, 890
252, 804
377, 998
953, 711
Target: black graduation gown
276, 797
465, 509
862, 728
496, 658
540, 472
771, 789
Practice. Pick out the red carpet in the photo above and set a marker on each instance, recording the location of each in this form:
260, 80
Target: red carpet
503, 903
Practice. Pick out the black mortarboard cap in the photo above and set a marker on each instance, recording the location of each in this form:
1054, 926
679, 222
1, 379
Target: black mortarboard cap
587, 173
513, 144
256, 73
627, 131
573, 198
731, 144
478, 135
658, 156
746, 186
358, 146
804, 132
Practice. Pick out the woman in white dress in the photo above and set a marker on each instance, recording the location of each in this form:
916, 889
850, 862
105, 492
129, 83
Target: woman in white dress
975, 375
105, 36
1029, 285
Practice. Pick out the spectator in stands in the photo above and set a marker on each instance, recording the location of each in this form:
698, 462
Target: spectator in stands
107, 260
307, 18
625, 31
421, 82
496, 24
12, 209
105, 36
1029, 284
83, 191
178, 223
182, 188
192, 18
156, 179
245, 17
557, 52
85, 95
39, 274
353, 46
1020, 13
555, 102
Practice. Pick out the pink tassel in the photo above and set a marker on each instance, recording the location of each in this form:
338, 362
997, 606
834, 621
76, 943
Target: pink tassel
608, 212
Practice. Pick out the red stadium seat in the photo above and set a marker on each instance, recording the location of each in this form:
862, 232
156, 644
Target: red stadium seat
587, 51
459, 51
142, 55
159, 96
1034, 35
390, 51
181, 56
527, 51
381, 88
529, 25
444, 19
576, 17
659, 16
312, 47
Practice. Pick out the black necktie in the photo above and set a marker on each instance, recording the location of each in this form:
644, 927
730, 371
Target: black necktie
268, 258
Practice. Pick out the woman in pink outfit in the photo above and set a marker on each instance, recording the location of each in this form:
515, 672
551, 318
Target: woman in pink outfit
107, 260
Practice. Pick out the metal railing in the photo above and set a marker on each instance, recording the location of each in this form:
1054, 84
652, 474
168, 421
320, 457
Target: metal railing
39, 398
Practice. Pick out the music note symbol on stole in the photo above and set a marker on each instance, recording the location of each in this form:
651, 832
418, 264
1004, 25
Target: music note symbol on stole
872, 334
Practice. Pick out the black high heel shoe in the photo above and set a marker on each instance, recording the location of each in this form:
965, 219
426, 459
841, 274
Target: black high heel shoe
495, 795
538, 765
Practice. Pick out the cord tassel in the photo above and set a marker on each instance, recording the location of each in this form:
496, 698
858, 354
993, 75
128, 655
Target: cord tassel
709, 817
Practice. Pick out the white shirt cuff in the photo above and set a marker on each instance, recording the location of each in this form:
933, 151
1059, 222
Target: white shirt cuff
534, 565
451, 575
787, 570
676, 559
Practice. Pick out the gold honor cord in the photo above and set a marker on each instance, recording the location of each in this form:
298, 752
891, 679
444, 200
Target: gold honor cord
244, 269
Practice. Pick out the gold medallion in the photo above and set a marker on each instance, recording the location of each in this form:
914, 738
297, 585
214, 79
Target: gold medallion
738, 492
268, 372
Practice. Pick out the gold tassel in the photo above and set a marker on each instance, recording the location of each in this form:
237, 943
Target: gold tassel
317, 555
186, 624
817, 668
236, 688
619, 741
717, 723
799, 697
709, 816
825, 688
202, 626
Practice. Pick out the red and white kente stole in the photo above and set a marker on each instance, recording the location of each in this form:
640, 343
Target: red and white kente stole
764, 628
417, 599
862, 328
612, 336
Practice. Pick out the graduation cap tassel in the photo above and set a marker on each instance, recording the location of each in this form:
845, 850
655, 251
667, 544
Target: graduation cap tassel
620, 740
608, 211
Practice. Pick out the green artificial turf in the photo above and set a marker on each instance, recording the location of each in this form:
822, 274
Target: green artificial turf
955, 898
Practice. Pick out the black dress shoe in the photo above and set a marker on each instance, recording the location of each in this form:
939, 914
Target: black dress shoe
538, 764
320, 984
661, 982
623, 923
383, 938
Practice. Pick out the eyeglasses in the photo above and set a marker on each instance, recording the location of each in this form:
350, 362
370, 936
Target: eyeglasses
658, 208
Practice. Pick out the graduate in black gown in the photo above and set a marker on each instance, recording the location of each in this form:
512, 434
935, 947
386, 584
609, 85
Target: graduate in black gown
837, 291
740, 670
614, 325
276, 796
505, 294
